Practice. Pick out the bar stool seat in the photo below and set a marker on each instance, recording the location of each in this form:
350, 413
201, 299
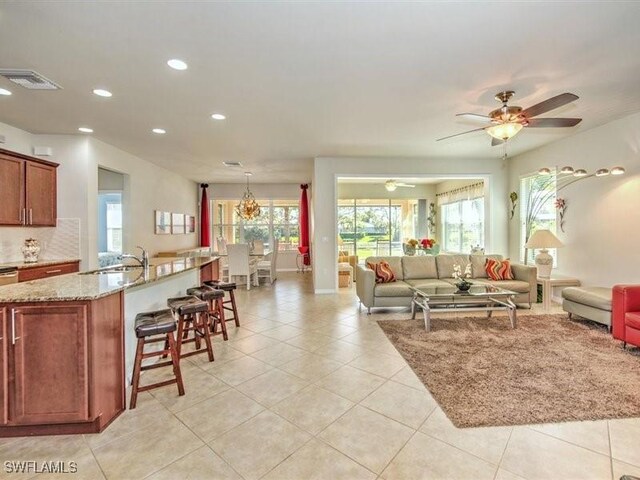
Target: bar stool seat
191, 314
228, 288
215, 300
153, 327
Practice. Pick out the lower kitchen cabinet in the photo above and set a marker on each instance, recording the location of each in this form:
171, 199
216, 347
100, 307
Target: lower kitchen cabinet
62, 366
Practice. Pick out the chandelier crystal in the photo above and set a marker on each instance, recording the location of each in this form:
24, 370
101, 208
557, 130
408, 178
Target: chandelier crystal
248, 208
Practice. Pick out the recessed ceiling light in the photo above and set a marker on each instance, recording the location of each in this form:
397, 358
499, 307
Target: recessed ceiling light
102, 93
159, 131
86, 130
218, 116
4, 91
177, 64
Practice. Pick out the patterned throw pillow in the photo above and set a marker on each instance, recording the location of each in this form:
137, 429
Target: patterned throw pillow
498, 269
383, 272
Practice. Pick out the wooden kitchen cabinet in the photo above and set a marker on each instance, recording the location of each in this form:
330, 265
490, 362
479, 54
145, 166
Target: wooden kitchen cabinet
28, 190
4, 377
35, 273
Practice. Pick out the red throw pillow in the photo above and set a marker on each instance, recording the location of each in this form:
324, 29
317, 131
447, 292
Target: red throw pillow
383, 272
498, 269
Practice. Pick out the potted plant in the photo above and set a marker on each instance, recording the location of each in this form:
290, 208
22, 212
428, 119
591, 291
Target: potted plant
410, 247
461, 277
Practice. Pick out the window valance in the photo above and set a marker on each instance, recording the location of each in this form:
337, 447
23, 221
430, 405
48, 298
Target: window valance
468, 192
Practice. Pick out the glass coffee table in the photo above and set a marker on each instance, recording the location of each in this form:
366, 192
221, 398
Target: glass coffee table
479, 298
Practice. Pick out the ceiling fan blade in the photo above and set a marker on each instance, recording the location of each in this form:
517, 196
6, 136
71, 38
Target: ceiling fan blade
405, 185
474, 116
553, 122
496, 141
463, 133
549, 104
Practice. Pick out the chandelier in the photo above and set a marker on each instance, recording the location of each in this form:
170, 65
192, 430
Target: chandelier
248, 208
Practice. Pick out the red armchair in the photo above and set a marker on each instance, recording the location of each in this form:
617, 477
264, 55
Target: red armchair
626, 314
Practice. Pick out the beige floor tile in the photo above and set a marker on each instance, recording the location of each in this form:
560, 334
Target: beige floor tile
318, 461
342, 352
591, 435
625, 440
534, 455
86, 468
261, 325
198, 386
234, 333
234, 372
310, 341
487, 443
260, 444
310, 367
621, 468
271, 387
351, 383
367, 437
279, 354
218, 414
335, 330
222, 353
145, 451
282, 333
202, 464
379, 364
424, 457
506, 475
313, 408
408, 378
249, 345
401, 403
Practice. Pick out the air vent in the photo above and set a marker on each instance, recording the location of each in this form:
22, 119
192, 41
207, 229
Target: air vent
29, 79
232, 164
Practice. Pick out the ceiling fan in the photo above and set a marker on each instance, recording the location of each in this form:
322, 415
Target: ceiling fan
506, 121
391, 185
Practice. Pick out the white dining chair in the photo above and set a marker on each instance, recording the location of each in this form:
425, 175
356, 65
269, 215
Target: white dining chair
267, 267
258, 247
239, 264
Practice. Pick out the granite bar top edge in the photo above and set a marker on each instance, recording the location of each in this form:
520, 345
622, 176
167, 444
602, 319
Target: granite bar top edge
39, 263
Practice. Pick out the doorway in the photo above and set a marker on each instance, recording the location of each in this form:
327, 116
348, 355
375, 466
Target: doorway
110, 215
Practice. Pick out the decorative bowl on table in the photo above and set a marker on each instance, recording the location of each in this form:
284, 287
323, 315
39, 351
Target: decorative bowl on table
464, 286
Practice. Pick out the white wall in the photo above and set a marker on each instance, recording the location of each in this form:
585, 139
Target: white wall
149, 187
328, 169
602, 220
262, 191
377, 191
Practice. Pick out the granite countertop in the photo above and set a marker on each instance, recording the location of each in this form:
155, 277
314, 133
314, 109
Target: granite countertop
79, 286
39, 263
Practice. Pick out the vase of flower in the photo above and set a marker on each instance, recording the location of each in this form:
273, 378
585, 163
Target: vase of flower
31, 250
464, 285
462, 277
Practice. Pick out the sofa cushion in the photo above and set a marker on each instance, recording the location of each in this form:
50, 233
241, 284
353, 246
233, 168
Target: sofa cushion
395, 289
422, 266
427, 283
478, 263
498, 269
383, 272
596, 297
517, 286
632, 319
445, 264
394, 262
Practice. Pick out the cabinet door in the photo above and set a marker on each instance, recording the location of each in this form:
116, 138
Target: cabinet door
49, 364
4, 377
11, 190
41, 194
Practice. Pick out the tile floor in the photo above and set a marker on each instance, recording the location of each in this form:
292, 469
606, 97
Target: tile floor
309, 388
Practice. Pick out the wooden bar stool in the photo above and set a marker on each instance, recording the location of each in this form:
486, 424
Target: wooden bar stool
153, 327
227, 287
191, 315
214, 299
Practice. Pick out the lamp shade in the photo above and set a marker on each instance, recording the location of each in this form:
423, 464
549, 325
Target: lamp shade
543, 239
504, 131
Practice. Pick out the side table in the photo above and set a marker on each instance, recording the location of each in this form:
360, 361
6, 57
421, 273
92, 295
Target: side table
554, 281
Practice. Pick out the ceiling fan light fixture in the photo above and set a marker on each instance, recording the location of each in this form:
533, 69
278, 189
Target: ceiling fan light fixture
617, 171
581, 172
544, 171
568, 170
390, 185
504, 131
602, 172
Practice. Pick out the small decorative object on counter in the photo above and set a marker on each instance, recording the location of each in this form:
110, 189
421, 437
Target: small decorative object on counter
561, 206
410, 247
513, 196
462, 283
477, 250
31, 250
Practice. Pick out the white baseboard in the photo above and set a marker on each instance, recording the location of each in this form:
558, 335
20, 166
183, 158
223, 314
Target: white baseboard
324, 291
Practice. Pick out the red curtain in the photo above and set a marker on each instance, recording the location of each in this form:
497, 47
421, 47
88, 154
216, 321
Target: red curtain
304, 223
205, 231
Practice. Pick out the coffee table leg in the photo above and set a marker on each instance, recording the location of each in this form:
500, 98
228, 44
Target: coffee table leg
511, 308
413, 307
426, 311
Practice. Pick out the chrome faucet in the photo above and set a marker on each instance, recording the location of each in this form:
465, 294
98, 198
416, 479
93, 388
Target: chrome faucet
143, 260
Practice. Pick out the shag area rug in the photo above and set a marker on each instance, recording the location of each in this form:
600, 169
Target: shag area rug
549, 369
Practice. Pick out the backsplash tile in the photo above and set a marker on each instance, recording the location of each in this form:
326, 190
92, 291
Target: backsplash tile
58, 242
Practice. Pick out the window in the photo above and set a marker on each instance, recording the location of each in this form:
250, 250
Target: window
462, 225
537, 210
278, 219
110, 222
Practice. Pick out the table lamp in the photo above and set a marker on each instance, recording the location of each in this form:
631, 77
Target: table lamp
543, 239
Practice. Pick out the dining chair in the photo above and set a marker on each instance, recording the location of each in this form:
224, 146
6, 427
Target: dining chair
224, 263
258, 247
239, 264
267, 267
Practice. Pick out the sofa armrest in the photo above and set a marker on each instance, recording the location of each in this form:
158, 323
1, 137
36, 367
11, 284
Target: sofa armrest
529, 274
365, 286
625, 298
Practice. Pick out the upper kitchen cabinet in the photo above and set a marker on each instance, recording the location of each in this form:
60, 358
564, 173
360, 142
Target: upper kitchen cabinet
28, 190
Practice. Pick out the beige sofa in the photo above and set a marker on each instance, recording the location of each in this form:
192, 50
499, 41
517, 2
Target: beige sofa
432, 271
